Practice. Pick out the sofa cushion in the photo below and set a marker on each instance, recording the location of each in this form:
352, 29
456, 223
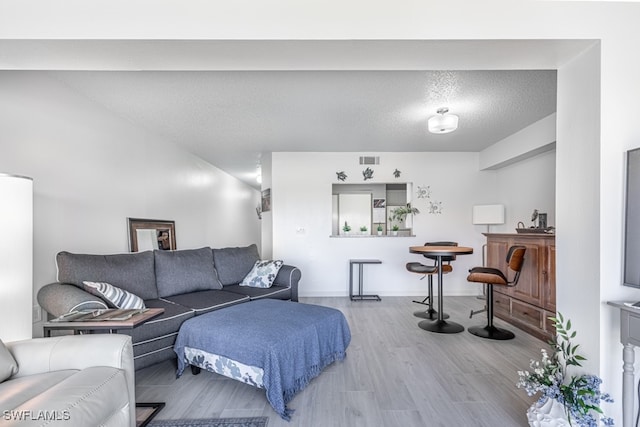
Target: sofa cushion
8, 365
262, 274
133, 272
275, 291
93, 396
153, 340
166, 324
205, 301
233, 264
151, 357
184, 271
19, 390
113, 296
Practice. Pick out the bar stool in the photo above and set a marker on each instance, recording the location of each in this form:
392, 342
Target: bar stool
493, 276
430, 270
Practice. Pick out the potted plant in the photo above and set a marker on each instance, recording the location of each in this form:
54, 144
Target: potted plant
564, 400
400, 214
394, 229
346, 228
379, 229
363, 229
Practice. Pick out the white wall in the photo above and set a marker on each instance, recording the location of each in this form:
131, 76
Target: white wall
91, 170
524, 186
578, 271
537, 138
302, 200
267, 218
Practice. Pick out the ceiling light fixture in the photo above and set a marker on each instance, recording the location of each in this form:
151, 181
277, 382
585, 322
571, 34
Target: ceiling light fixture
443, 122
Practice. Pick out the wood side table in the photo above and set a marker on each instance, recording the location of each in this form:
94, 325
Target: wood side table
112, 326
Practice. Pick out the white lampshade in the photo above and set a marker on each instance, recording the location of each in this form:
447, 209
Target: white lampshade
488, 214
443, 122
16, 257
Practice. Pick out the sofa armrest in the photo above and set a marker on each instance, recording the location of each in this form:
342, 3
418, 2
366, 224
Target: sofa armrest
40, 355
61, 298
289, 276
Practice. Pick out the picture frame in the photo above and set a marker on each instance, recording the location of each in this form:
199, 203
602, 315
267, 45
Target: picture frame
150, 234
266, 200
379, 211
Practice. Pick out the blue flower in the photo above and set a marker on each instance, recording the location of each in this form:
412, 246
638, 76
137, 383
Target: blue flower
580, 395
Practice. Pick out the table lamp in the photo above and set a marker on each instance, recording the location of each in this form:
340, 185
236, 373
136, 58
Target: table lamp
488, 215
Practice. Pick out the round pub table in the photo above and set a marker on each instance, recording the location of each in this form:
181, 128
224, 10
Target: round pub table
440, 325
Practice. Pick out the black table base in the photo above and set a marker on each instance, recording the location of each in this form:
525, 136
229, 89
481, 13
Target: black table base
441, 326
491, 332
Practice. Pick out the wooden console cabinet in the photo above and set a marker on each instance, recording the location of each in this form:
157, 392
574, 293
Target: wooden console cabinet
532, 301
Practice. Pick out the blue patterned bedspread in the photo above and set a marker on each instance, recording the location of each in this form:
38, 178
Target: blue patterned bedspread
292, 342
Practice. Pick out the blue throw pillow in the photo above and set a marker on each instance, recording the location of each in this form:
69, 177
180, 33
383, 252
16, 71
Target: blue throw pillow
262, 274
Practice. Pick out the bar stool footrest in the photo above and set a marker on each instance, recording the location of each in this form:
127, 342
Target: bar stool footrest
365, 297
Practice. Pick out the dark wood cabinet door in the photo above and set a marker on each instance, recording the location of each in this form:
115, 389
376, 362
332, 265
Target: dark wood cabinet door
497, 253
550, 279
529, 287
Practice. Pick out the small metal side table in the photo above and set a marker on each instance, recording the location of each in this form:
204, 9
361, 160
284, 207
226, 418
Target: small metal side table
360, 263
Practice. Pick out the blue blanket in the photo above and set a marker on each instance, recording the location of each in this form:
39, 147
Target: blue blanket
291, 342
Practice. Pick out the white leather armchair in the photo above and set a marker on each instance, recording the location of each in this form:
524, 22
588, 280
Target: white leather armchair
73, 380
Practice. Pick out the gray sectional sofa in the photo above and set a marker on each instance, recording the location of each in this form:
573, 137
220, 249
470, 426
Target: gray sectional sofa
186, 283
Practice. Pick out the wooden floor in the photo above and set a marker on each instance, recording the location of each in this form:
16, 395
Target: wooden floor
395, 374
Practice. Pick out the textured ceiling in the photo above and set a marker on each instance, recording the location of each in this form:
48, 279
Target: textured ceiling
229, 117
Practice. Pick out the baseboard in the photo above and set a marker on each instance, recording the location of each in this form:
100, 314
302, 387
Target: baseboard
329, 294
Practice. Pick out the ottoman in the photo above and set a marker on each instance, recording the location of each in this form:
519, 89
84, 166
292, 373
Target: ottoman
272, 344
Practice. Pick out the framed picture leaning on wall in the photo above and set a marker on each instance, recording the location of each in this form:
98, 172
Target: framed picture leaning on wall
266, 200
150, 234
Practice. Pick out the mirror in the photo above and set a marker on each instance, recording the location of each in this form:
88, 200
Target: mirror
150, 234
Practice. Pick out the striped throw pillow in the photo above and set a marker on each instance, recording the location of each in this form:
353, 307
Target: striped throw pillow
114, 296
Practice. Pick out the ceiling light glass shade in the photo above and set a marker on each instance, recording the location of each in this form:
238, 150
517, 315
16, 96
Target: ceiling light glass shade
442, 122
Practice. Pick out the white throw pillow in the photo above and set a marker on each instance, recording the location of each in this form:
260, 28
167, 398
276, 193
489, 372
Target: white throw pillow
114, 296
8, 365
262, 274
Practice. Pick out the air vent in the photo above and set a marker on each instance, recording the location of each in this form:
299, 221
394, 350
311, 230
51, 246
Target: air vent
369, 160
